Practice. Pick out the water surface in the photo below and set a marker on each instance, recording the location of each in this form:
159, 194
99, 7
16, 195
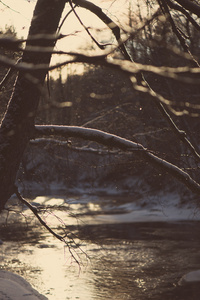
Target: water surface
127, 260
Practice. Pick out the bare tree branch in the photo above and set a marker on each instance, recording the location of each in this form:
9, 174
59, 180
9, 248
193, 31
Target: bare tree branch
114, 141
101, 46
125, 66
183, 11
190, 5
64, 19
177, 30
113, 25
139, 75
9, 7
44, 224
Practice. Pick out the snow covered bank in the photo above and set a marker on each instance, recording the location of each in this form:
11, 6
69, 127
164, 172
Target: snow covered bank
47, 167
104, 211
107, 209
14, 287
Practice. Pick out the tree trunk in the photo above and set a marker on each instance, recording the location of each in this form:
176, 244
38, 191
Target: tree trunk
18, 123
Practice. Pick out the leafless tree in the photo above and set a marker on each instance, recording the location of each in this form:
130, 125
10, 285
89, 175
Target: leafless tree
18, 125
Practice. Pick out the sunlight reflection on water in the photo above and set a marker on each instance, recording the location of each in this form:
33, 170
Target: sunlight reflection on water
58, 277
126, 260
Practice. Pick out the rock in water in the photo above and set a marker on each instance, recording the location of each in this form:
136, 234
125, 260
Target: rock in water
190, 277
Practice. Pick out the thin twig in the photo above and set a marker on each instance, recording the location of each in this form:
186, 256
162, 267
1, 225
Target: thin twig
57, 236
8, 75
183, 11
9, 7
177, 31
35, 212
64, 19
101, 46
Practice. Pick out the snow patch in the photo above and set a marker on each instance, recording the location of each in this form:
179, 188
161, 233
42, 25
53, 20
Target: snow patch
14, 287
191, 277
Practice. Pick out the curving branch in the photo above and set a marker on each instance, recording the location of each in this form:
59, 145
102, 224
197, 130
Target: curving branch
62, 238
95, 9
184, 12
142, 85
131, 68
191, 6
177, 31
7, 6
114, 141
101, 46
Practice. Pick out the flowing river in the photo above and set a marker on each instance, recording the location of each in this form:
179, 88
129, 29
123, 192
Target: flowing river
115, 260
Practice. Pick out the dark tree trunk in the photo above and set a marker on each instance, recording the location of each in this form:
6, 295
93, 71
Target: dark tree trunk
18, 123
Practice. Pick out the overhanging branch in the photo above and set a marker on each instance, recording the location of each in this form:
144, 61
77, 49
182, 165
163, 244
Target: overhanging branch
190, 5
184, 12
114, 141
62, 238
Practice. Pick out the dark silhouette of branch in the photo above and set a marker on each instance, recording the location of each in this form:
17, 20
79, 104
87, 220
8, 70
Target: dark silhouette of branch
139, 75
43, 223
95, 9
179, 34
190, 5
101, 46
64, 19
35, 212
183, 11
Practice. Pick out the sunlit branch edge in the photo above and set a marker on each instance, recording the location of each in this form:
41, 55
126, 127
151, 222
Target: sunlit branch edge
114, 141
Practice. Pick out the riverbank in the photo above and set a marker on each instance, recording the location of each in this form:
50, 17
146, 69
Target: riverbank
119, 256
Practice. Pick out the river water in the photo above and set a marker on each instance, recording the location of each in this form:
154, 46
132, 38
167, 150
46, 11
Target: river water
115, 260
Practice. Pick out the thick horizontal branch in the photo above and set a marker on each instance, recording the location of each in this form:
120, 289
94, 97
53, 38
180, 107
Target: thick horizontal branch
114, 141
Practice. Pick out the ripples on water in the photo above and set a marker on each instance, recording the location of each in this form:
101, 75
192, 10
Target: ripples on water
116, 261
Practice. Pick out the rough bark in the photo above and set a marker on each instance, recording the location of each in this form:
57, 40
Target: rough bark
18, 123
